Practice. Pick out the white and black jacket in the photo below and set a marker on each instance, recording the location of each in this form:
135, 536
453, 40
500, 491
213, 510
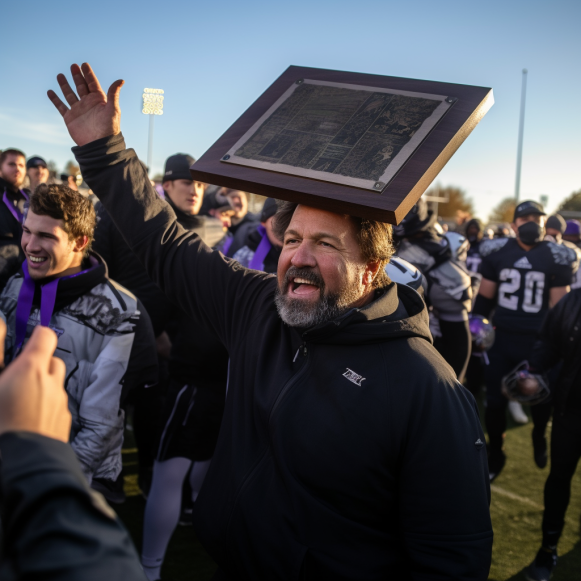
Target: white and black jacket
106, 341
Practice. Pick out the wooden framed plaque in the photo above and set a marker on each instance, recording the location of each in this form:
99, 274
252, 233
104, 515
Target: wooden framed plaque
352, 143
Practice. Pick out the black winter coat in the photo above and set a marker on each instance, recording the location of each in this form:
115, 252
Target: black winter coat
55, 527
560, 339
347, 451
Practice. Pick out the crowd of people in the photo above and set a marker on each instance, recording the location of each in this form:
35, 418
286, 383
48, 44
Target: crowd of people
293, 377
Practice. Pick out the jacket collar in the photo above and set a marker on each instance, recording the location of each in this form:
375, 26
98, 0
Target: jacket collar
397, 311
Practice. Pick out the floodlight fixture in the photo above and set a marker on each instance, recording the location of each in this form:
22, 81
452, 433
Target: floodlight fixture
152, 105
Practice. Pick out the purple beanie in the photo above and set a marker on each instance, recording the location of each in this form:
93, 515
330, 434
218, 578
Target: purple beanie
573, 228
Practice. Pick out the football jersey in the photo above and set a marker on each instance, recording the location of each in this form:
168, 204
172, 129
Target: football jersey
524, 279
473, 258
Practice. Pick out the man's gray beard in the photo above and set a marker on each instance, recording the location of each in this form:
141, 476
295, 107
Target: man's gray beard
298, 313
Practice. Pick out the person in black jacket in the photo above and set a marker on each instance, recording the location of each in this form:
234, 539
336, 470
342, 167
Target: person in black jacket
12, 174
559, 340
348, 449
55, 527
185, 196
194, 404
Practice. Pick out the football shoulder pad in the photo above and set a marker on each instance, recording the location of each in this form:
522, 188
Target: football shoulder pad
487, 247
562, 254
413, 253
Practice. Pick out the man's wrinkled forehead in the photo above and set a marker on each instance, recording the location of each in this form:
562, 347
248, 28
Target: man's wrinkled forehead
307, 219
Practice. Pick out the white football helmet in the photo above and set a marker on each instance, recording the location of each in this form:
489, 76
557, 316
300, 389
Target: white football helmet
403, 272
458, 244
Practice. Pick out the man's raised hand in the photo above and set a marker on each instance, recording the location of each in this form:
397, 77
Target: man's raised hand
92, 115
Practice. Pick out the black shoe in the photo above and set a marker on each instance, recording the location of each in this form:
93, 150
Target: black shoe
540, 451
542, 567
496, 461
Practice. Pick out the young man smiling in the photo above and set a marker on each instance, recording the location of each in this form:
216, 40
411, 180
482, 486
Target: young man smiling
348, 450
104, 337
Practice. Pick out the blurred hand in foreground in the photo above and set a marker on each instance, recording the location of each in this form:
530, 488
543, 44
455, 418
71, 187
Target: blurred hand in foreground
32, 394
92, 115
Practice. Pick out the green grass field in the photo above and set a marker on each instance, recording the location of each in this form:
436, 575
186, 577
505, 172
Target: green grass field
517, 507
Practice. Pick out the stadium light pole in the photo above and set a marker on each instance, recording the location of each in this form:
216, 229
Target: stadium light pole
152, 105
521, 129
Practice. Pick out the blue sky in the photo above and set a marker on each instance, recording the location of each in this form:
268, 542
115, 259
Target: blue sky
213, 59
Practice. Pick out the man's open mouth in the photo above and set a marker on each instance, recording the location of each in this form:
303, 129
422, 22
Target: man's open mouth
37, 259
302, 286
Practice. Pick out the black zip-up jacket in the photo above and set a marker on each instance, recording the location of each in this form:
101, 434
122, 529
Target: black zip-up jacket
560, 339
348, 451
55, 527
11, 255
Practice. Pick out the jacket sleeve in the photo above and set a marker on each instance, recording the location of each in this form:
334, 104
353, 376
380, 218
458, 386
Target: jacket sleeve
142, 368
104, 243
443, 480
55, 527
203, 283
548, 348
100, 412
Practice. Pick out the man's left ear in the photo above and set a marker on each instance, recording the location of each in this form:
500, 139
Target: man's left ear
81, 243
371, 271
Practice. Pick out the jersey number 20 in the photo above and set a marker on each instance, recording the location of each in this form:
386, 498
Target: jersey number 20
533, 291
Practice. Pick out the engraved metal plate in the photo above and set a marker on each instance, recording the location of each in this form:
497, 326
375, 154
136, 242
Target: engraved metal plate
340, 133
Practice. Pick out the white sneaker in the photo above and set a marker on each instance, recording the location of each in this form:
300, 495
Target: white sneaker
517, 413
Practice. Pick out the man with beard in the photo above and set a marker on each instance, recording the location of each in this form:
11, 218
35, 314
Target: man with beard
12, 174
522, 278
347, 449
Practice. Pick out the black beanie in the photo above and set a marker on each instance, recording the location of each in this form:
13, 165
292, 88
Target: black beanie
268, 210
556, 222
177, 167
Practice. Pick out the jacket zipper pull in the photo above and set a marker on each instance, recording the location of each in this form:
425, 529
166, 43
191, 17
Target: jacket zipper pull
304, 349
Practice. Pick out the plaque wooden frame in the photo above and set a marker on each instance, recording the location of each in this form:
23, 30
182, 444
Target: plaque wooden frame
400, 194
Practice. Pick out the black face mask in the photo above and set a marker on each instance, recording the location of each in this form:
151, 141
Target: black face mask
530, 233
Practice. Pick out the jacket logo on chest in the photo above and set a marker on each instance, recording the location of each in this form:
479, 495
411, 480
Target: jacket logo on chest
353, 377
523, 263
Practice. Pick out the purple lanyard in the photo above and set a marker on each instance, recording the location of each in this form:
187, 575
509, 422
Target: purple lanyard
47, 300
257, 262
14, 209
227, 245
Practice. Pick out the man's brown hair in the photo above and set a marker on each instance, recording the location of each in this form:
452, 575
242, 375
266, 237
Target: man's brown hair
375, 238
4, 154
62, 203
